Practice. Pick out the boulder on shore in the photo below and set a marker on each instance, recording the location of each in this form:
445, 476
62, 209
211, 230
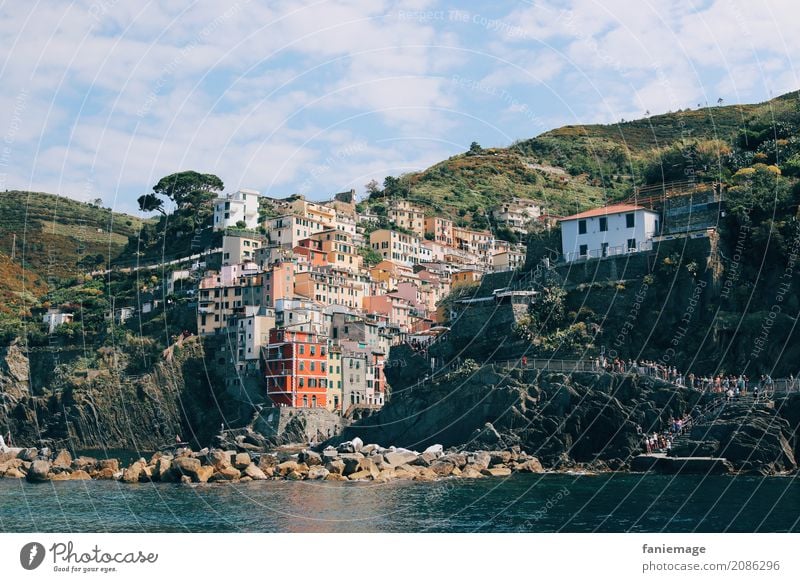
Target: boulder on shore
133, 472
352, 446
317, 472
242, 461
310, 458
204, 473
434, 450
39, 471
532, 465
254, 472
187, 466
336, 467
226, 474
63, 460
497, 472
283, 469
395, 459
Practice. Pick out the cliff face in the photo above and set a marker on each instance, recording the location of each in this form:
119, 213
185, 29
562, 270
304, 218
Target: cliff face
555, 417
14, 374
112, 410
583, 417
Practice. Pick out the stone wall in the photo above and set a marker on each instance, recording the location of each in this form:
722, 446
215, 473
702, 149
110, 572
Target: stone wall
480, 331
283, 425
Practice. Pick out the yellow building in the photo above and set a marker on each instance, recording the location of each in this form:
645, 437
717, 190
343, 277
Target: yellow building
314, 211
330, 287
508, 260
218, 300
290, 229
441, 229
465, 277
398, 247
240, 248
407, 215
340, 250
334, 396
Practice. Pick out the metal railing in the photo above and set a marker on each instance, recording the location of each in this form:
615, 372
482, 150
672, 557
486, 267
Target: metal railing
549, 365
607, 252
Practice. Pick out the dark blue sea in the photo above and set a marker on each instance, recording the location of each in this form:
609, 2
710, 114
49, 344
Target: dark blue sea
520, 503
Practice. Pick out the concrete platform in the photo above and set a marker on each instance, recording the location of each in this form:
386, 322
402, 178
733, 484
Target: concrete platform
660, 463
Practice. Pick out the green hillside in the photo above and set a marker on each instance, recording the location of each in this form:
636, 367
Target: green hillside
579, 166
55, 233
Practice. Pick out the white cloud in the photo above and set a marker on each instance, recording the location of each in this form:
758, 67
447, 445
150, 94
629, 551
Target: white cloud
119, 93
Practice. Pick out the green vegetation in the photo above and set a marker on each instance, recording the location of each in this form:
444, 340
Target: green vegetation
185, 229
54, 234
576, 167
371, 256
468, 185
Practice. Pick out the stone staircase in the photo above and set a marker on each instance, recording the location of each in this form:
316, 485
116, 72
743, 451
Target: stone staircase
692, 442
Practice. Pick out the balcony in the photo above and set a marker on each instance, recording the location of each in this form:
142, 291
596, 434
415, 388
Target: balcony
646, 245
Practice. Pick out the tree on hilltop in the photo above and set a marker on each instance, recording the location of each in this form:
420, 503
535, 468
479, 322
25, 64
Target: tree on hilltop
150, 203
189, 189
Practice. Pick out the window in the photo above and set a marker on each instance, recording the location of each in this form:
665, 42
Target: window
631, 244
604, 249
630, 220
581, 227
603, 223
583, 250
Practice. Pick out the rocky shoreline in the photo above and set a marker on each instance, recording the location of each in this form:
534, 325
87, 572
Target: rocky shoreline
350, 461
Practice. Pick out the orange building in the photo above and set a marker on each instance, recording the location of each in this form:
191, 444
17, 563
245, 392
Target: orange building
295, 364
441, 229
279, 282
312, 250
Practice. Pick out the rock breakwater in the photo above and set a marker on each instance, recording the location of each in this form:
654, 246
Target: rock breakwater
350, 461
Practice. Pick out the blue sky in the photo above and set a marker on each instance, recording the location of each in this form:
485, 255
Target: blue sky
100, 98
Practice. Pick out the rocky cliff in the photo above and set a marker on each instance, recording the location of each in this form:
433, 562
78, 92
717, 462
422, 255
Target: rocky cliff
585, 417
754, 436
558, 418
110, 409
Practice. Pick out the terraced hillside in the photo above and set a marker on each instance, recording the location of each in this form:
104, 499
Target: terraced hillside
54, 233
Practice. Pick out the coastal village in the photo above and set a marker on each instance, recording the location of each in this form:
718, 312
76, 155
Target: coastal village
304, 309
307, 298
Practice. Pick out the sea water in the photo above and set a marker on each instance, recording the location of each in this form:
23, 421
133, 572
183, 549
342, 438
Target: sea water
519, 503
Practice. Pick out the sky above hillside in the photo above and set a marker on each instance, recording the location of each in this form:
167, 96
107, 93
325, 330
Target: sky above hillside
101, 98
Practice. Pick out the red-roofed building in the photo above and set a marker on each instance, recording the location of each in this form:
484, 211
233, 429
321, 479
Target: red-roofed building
611, 230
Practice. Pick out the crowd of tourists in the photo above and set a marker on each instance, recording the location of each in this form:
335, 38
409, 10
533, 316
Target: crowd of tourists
729, 385
661, 442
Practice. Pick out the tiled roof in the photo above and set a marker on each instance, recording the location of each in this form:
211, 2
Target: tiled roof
605, 211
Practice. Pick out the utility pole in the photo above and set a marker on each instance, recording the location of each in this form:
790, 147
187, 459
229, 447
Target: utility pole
13, 246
